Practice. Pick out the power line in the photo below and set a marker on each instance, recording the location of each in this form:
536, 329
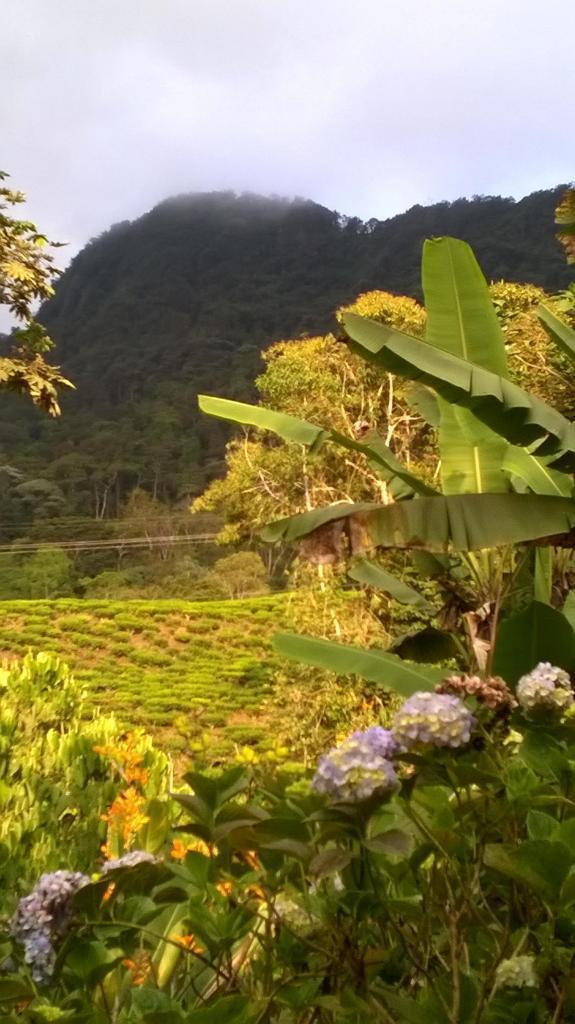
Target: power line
89, 520
25, 547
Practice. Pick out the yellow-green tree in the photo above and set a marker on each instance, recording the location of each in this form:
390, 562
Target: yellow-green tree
26, 275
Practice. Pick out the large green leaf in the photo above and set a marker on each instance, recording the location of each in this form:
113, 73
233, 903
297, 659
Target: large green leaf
472, 455
536, 472
377, 666
372, 575
540, 633
462, 522
562, 334
503, 406
540, 864
424, 402
461, 320
290, 428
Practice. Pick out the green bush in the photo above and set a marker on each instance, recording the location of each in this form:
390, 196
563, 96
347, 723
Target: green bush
426, 875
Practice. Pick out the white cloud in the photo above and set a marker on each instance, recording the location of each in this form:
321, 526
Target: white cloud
366, 106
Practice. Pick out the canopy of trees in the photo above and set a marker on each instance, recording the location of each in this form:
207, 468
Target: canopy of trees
184, 299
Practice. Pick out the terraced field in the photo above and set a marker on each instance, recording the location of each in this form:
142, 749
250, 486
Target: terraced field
199, 674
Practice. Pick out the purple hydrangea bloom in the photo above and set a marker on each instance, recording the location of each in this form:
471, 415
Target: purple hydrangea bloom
128, 860
42, 916
382, 741
545, 688
358, 767
432, 720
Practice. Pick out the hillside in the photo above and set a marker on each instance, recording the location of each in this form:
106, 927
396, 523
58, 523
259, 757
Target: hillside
183, 299
197, 675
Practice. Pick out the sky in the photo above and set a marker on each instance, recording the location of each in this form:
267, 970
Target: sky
366, 106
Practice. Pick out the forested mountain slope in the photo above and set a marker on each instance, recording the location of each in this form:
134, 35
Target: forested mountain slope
184, 298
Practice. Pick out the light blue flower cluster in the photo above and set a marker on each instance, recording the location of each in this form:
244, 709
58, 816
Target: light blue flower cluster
358, 768
42, 916
432, 720
545, 688
362, 766
128, 860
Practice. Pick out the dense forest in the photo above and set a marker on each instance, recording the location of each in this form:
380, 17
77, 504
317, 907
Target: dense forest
183, 300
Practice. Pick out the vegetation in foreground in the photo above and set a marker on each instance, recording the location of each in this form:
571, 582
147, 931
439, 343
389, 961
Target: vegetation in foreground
424, 874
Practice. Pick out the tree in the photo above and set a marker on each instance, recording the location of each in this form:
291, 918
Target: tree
565, 220
26, 274
239, 575
48, 573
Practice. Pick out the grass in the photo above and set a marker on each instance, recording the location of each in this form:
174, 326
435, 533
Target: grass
197, 675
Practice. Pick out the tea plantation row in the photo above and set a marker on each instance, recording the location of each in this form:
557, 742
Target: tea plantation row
197, 674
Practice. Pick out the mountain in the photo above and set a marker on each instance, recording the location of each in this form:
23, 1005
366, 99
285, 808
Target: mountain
184, 298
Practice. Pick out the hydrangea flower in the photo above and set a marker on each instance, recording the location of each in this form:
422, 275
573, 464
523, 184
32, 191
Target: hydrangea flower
42, 916
128, 860
517, 972
358, 767
432, 720
545, 688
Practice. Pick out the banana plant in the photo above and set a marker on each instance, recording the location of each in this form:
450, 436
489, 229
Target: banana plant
505, 456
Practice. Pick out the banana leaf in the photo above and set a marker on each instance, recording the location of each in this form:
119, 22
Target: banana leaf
373, 575
461, 320
290, 428
380, 667
562, 334
507, 409
460, 522
536, 473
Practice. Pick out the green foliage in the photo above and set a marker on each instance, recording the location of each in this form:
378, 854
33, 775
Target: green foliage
54, 787
450, 900
565, 221
26, 275
240, 575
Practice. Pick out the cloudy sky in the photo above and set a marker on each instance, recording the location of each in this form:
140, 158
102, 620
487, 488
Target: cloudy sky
367, 106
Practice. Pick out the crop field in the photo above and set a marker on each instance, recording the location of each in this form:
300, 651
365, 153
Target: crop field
196, 674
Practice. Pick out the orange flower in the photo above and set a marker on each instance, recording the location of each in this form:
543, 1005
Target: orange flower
188, 942
140, 967
225, 888
112, 886
180, 849
126, 758
257, 892
125, 817
251, 858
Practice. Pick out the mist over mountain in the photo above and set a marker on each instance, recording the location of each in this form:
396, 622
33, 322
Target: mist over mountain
183, 299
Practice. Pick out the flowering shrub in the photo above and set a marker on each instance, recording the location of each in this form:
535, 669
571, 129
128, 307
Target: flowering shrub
423, 874
62, 777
